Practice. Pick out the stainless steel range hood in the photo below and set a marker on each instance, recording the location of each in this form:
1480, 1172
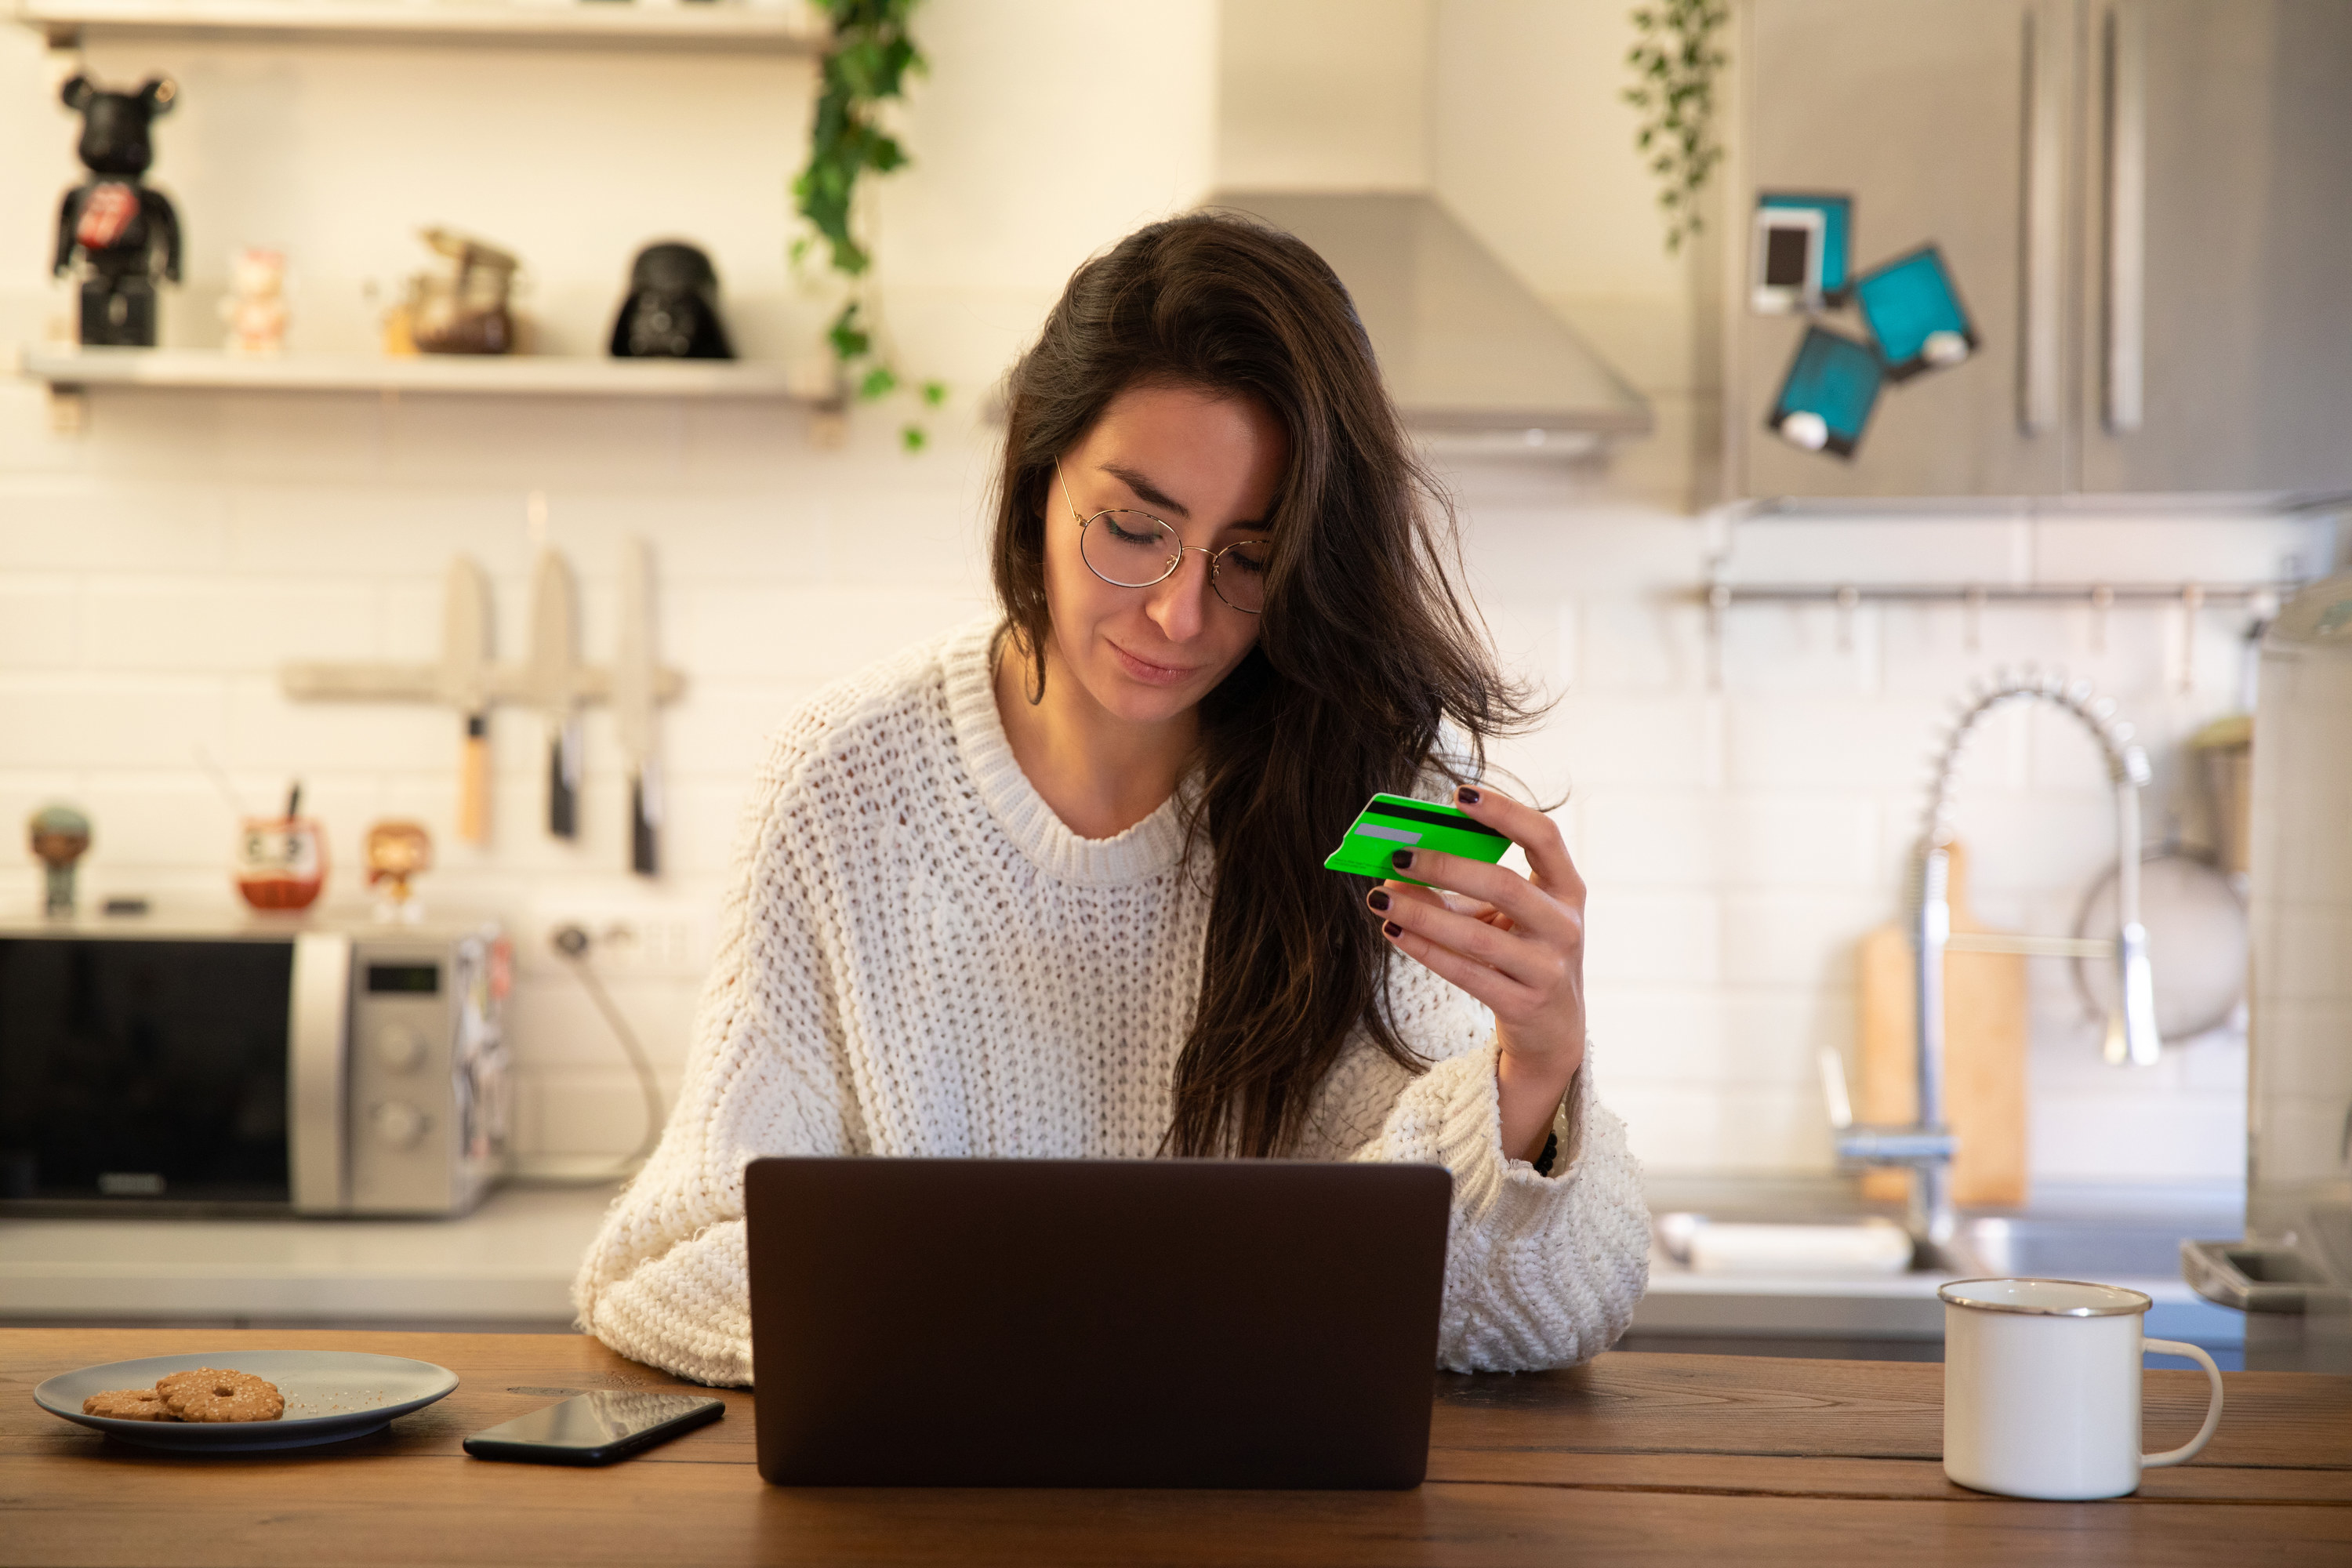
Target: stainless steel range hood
1473, 358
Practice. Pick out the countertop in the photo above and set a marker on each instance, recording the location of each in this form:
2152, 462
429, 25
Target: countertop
510, 1264
1664, 1458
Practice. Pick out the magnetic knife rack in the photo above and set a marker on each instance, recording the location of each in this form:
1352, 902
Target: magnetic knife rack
553, 679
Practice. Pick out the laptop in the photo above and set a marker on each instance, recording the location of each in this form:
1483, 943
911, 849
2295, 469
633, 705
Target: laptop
1094, 1322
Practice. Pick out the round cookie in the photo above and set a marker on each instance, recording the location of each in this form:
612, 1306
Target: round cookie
170, 1381
128, 1404
223, 1396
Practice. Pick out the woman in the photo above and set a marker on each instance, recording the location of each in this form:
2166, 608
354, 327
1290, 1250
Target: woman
1052, 885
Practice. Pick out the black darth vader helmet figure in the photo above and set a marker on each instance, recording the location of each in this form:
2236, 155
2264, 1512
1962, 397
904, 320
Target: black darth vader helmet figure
672, 309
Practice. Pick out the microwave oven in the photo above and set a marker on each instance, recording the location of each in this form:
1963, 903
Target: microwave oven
251, 1065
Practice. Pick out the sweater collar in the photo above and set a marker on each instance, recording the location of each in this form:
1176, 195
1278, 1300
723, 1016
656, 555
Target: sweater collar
1144, 850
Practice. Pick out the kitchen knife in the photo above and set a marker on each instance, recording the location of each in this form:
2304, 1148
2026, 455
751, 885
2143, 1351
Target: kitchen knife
465, 685
554, 685
633, 706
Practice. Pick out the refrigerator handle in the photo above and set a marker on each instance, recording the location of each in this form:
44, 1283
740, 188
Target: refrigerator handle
2126, 214
2040, 363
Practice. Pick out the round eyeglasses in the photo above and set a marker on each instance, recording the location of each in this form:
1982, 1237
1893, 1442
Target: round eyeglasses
1130, 548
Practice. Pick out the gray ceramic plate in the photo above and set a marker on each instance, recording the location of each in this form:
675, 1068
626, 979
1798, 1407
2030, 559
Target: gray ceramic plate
329, 1395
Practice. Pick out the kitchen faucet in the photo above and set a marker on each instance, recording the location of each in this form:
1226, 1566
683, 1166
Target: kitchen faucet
1927, 1146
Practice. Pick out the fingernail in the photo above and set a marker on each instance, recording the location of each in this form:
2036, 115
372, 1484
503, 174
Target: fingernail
1377, 899
1402, 860
1390, 928
1466, 795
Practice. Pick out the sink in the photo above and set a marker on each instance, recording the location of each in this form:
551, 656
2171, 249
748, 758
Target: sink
2072, 1231
2112, 1233
2132, 1249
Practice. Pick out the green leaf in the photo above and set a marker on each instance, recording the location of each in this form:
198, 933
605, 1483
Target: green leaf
913, 437
935, 393
849, 340
879, 383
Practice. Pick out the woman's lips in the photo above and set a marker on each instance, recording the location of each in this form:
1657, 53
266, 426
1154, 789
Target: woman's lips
1148, 672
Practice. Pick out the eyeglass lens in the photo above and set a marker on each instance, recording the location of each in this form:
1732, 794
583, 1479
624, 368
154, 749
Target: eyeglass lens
1135, 550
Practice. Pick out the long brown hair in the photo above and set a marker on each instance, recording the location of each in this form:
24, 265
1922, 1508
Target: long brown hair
1365, 650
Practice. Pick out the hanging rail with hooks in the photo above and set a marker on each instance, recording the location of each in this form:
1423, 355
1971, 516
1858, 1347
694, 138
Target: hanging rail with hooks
2189, 599
2099, 596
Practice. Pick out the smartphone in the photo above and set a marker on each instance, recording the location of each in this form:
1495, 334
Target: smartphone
594, 1428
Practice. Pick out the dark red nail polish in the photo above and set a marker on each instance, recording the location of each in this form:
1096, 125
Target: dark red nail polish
1402, 860
1392, 929
1466, 795
1377, 899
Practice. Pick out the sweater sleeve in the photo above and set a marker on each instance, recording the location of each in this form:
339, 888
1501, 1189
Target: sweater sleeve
1540, 1272
665, 1280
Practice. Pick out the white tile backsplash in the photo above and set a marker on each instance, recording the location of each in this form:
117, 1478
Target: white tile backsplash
1635, 934
1785, 742
40, 623
1738, 843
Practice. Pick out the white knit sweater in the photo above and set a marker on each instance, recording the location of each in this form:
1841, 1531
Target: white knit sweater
917, 957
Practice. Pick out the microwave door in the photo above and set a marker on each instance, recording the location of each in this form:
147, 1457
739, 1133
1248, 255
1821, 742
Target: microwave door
134, 1072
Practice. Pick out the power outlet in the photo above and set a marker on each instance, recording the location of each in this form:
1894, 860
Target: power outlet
648, 939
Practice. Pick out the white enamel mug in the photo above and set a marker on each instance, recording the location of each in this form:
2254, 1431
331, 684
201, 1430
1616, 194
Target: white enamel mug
2042, 1381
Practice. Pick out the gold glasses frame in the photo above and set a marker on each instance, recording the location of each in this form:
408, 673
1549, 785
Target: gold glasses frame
1175, 562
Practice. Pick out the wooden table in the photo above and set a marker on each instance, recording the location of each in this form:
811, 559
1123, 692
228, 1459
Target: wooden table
1668, 1458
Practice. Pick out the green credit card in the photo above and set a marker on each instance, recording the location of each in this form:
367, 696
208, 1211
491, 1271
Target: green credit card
1390, 823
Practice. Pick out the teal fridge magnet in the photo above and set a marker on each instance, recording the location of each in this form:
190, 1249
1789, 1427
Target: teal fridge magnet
1826, 397
1803, 244
1913, 309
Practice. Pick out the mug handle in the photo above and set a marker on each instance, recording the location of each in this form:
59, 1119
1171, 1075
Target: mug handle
2188, 1451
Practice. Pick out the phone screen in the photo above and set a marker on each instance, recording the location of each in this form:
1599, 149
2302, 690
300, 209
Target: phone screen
594, 1428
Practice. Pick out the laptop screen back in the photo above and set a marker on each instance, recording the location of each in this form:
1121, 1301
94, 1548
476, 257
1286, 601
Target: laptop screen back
1084, 1322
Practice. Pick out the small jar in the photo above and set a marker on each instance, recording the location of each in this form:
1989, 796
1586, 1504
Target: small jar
281, 862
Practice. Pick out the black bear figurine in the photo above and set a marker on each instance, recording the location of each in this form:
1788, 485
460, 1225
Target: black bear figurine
672, 310
116, 223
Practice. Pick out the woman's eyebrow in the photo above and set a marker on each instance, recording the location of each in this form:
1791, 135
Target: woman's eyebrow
1146, 492
1150, 494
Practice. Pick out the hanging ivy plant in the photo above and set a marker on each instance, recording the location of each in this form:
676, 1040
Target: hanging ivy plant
865, 66
1675, 62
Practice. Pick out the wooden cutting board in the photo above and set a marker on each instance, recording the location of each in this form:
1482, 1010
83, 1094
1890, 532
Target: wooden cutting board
1984, 1056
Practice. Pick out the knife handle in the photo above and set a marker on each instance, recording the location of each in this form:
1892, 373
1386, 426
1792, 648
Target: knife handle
474, 781
563, 779
644, 846
645, 819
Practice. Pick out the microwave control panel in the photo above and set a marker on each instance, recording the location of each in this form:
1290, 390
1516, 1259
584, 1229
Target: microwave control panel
428, 1088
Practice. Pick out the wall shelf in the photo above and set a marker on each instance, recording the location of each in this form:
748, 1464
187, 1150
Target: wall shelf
193, 370
725, 27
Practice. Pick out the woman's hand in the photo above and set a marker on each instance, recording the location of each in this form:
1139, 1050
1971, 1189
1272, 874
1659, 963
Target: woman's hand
1515, 943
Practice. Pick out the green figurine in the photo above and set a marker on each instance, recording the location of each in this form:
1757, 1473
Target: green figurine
61, 836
